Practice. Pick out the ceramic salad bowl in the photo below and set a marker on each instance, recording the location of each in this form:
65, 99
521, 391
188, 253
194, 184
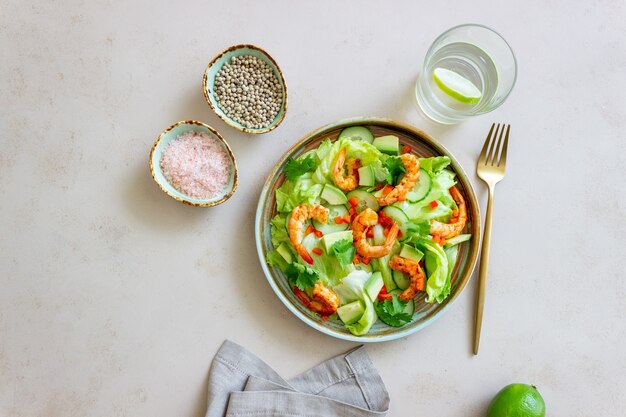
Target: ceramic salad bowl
422, 145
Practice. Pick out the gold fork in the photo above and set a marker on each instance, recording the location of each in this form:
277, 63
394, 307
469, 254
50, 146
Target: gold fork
490, 169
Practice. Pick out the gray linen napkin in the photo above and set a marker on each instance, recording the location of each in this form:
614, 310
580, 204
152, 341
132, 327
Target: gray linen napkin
242, 385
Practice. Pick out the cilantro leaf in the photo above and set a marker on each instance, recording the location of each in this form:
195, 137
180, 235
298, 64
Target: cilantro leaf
395, 167
294, 167
344, 251
301, 276
391, 312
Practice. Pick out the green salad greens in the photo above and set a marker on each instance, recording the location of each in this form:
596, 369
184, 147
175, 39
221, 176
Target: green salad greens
374, 271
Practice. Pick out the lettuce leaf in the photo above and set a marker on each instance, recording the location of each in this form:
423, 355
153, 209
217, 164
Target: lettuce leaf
442, 179
274, 258
278, 229
327, 265
434, 164
293, 193
352, 288
327, 154
437, 271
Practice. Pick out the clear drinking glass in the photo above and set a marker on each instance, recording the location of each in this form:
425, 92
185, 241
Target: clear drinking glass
476, 54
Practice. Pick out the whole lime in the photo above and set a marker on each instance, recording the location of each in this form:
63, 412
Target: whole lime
517, 400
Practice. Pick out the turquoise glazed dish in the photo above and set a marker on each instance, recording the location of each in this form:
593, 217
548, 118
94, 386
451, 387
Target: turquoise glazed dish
423, 145
169, 135
208, 84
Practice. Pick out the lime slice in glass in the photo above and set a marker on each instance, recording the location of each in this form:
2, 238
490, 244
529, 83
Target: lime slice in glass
456, 86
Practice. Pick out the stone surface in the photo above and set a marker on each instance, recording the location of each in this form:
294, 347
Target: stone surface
115, 297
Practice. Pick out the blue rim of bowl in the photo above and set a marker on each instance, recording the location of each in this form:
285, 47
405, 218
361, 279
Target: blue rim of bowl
226, 119
466, 184
228, 150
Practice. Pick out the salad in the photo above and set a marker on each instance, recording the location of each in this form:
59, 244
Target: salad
364, 227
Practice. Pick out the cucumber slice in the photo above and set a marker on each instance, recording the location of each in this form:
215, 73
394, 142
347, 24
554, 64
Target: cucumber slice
368, 199
410, 306
456, 240
358, 133
373, 285
382, 265
399, 217
351, 313
388, 144
409, 252
329, 239
330, 226
333, 195
366, 176
285, 252
421, 189
402, 281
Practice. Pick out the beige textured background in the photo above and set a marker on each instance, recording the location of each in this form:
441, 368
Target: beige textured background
114, 298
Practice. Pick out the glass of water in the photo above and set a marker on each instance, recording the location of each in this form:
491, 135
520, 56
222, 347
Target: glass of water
468, 70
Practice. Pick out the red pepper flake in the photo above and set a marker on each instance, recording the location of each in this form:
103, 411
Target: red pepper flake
353, 201
383, 220
347, 219
383, 294
317, 251
388, 188
369, 233
421, 263
406, 149
308, 230
318, 233
433, 204
366, 260
324, 318
356, 260
338, 219
379, 186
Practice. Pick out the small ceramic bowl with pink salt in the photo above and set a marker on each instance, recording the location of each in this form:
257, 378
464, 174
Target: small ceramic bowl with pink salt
192, 163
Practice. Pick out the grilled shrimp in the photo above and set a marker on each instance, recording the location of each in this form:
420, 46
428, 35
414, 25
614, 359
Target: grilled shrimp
323, 300
299, 215
350, 181
412, 167
366, 219
457, 222
415, 273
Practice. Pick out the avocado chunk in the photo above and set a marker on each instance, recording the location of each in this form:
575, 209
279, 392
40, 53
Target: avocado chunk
351, 313
329, 240
366, 176
333, 195
388, 144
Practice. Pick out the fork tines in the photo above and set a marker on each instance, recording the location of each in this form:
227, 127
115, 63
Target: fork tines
494, 150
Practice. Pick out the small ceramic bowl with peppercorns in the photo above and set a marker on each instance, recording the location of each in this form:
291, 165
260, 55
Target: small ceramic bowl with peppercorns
244, 86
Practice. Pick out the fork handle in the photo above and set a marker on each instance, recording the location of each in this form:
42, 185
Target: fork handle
482, 274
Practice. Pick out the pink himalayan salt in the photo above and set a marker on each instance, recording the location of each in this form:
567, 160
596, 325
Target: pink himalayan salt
196, 165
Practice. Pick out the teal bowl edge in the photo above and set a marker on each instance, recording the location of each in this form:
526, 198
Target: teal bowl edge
208, 84
170, 134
